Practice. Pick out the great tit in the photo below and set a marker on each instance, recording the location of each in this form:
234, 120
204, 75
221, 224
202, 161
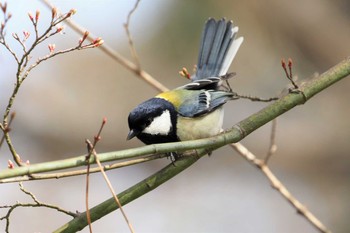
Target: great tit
195, 110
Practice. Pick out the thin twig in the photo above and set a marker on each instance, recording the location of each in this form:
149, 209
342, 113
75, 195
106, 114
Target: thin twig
278, 185
115, 55
92, 151
87, 197
36, 203
255, 98
7, 128
130, 40
273, 146
59, 175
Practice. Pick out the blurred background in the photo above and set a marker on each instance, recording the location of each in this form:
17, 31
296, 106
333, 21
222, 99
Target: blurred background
64, 100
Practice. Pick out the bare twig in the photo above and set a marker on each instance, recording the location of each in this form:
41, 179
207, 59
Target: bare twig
91, 149
115, 55
59, 175
7, 129
277, 184
255, 98
273, 146
288, 72
131, 43
36, 203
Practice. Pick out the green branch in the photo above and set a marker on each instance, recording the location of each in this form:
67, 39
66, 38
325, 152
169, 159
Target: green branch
242, 129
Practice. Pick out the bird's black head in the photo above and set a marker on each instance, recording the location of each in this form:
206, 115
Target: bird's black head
153, 121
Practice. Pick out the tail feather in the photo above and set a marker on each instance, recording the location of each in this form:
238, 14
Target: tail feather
217, 50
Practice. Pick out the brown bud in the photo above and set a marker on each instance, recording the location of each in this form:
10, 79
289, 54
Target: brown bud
54, 12
3, 7
37, 15
71, 12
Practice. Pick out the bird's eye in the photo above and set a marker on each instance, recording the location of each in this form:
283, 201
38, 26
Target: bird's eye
148, 121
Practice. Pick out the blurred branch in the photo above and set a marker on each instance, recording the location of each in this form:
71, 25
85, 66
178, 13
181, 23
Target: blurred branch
273, 146
241, 130
277, 184
131, 42
115, 55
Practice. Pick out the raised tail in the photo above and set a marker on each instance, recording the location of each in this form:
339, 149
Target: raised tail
217, 50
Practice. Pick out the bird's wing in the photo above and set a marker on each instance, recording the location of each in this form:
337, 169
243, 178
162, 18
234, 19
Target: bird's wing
201, 102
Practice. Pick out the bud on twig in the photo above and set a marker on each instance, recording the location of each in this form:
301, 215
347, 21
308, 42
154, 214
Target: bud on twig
84, 38
59, 29
31, 17
14, 35
71, 12
26, 34
3, 7
290, 62
97, 42
10, 164
51, 47
37, 15
54, 12
283, 63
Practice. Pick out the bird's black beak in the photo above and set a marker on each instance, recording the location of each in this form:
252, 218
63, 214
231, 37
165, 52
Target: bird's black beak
132, 134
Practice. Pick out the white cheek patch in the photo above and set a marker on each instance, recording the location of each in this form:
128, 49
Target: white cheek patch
160, 125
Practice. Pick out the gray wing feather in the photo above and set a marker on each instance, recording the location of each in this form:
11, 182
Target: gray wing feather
203, 102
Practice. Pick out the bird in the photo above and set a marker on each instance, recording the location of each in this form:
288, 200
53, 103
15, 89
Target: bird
195, 110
